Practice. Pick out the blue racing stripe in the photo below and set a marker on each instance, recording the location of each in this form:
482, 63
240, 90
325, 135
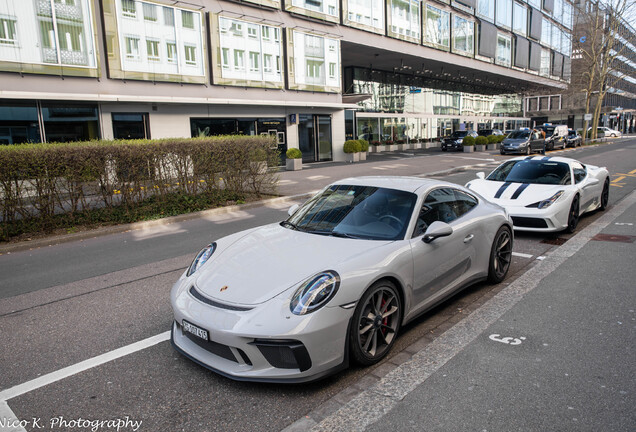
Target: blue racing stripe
546, 158
519, 190
502, 189
529, 157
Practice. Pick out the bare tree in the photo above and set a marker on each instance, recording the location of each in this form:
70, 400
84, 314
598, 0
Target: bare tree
599, 46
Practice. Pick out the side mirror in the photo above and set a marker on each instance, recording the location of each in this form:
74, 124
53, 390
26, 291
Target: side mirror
435, 230
481, 175
292, 209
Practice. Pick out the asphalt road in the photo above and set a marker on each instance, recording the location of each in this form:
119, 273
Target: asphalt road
70, 302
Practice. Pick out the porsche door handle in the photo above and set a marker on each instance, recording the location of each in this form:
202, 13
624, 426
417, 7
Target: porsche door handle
469, 238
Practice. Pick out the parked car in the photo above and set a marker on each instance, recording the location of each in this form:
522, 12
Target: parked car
605, 132
554, 135
522, 141
573, 139
545, 193
454, 142
486, 132
337, 280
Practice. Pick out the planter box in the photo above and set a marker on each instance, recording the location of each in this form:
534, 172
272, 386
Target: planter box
402, 147
480, 147
493, 146
352, 157
416, 146
375, 149
363, 156
468, 149
294, 164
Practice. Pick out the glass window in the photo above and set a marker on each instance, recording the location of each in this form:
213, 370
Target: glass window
187, 19
239, 59
190, 54
132, 48
486, 9
504, 50
365, 12
520, 18
504, 13
267, 62
535, 3
405, 19
463, 35
546, 32
332, 70
168, 16
252, 31
8, 34
437, 26
150, 12
311, 57
532, 171
567, 15
19, 122
254, 61
152, 49
580, 172
171, 52
225, 57
65, 122
129, 8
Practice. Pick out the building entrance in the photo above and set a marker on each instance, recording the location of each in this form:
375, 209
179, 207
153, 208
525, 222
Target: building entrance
314, 137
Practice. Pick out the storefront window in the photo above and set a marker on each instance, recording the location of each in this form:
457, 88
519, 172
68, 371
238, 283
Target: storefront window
64, 122
463, 35
19, 122
368, 129
437, 27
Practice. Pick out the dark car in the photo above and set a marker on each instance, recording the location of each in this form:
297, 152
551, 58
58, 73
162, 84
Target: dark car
454, 142
573, 139
486, 132
522, 141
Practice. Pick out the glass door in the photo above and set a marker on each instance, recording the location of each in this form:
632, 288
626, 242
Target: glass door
314, 137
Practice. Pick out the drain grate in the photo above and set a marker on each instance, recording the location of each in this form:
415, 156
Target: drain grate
557, 241
614, 238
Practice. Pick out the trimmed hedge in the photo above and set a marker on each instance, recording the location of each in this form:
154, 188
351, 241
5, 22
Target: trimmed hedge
352, 146
468, 141
41, 182
481, 140
294, 153
492, 139
364, 145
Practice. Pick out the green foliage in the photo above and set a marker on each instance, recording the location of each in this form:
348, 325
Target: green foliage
364, 145
352, 146
294, 153
492, 139
47, 186
481, 140
468, 141
500, 138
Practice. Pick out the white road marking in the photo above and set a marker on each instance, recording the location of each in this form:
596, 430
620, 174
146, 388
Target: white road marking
474, 158
317, 177
540, 258
287, 182
66, 372
223, 218
8, 421
379, 168
521, 255
623, 223
507, 340
158, 231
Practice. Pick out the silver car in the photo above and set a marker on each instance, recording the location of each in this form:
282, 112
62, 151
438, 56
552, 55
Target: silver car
297, 300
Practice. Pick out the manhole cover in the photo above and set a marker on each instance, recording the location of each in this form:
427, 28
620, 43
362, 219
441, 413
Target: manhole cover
557, 241
614, 238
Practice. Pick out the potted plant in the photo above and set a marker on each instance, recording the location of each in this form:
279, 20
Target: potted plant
294, 159
401, 145
480, 143
376, 147
469, 144
364, 148
492, 142
416, 144
389, 145
352, 150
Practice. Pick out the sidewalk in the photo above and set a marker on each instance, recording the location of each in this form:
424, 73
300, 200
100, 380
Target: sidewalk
549, 352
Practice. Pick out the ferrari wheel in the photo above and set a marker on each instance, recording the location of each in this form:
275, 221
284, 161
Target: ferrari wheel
605, 195
573, 215
376, 322
500, 255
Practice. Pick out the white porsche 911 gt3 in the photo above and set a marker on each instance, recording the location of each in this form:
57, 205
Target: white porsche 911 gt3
543, 193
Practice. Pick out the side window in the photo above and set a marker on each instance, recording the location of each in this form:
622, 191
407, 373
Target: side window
580, 172
465, 202
439, 205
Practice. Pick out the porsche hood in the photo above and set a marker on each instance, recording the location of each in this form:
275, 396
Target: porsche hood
516, 194
269, 260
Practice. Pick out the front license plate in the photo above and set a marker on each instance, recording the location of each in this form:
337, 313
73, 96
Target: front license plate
197, 331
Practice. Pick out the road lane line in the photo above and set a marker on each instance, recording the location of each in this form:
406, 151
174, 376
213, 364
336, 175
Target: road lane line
66, 372
9, 420
521, 255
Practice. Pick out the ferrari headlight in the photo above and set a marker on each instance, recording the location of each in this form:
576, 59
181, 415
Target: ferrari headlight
201, 258
315, 292
547, 203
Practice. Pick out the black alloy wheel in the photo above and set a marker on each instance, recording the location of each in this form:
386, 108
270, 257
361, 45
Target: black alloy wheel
605, 195
573, 215
500, 255
376, 322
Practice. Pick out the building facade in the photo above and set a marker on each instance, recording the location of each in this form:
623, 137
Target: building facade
311, 73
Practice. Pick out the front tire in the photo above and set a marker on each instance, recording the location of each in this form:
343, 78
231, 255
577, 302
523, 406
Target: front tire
500, 255
573, 215
376, 322
605, 195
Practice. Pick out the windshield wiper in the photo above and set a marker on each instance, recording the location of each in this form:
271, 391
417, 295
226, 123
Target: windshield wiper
289, 224
343, 235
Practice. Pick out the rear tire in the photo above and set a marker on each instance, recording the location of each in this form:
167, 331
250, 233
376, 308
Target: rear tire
376, 322
573, 215
500, 255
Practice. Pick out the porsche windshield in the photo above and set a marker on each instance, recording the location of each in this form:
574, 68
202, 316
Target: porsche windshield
532, 171
355, 212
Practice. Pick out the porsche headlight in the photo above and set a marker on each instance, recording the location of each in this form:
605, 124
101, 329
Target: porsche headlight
201, 258
315, 292
547, 203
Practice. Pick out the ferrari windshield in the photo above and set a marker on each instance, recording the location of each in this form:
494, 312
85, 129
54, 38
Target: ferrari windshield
532, 171
355, 212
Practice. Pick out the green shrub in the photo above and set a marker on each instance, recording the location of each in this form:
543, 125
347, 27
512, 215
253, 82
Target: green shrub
294, 153
481, 140
364, 145
468, 141
492, 139
500, 138
352, 146
43, 185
